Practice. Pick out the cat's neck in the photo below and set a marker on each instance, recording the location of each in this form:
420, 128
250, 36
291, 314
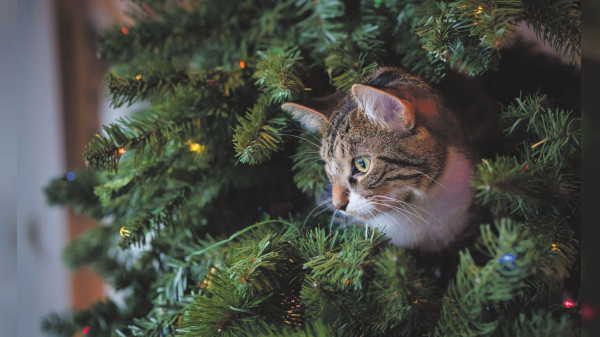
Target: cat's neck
436, 218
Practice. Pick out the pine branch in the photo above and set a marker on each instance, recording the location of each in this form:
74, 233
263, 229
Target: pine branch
552, 136
505, 186
140, 135
277, 74
258, 135
514, 258
162, 31
319, 30
350, 64
468, 34
166, 215
407, 43
158, 81
558, 23
309, 172
76, 189
407, 297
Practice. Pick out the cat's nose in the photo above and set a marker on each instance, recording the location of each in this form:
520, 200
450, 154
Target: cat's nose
341, 207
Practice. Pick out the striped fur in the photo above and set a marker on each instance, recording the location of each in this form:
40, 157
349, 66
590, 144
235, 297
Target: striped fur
417, 187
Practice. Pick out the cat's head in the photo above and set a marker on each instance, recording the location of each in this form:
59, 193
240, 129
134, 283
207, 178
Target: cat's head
383, 144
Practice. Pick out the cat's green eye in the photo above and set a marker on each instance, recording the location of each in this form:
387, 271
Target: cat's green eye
362, 163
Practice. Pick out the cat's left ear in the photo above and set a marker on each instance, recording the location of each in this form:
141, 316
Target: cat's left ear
384, 108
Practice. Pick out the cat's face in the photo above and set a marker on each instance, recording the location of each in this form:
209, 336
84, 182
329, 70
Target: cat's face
374, 169
379, 150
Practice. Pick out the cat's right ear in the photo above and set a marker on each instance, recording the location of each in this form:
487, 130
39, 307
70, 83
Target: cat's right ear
314, 113
311, 119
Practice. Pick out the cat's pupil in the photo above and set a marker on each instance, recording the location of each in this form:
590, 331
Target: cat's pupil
362, 163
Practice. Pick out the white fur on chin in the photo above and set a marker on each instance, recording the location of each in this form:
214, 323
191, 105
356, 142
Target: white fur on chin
435, 218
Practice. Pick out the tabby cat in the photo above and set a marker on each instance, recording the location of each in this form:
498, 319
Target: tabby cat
397, 158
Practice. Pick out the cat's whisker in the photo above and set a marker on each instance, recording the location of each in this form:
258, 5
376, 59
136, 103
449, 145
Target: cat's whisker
435, 181
333, 218
305, 152
314, 208
305, 159
302, 138
308, 133
401, 211
411, 205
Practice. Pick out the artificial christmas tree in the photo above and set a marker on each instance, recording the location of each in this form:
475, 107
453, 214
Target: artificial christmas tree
216, 185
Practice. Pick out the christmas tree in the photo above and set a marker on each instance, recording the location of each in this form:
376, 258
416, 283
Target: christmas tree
207, 197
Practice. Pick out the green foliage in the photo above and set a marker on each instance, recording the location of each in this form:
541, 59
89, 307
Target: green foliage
143, 136
76, 188
215, 73
257, 136
506, 281
160, 81
277, 75
557, 23
309, 172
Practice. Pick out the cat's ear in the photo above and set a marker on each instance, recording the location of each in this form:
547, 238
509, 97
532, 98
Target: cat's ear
311, 119
314, 113
384, 108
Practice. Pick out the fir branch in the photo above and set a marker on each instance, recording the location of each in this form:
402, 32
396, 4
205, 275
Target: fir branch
162, 33
166, 215
309, 173
157, 81
468, 34
277, 74
552, 136
506, 187
349, 63
257, 136
407, 43
503, 279
540, 323
319, 30
139, 135
407, 298
558, 23
76, 189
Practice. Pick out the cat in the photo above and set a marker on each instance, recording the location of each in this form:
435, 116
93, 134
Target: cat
397, 156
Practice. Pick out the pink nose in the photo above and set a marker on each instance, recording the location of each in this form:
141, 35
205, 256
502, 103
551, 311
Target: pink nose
341, 207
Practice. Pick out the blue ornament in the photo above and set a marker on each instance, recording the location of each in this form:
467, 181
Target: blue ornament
510, 257
70, 176
260, 209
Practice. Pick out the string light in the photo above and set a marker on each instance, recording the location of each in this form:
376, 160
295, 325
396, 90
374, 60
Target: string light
70, 176
195, 147
347, 281
125, 30
568, 303
122, 150
138, 77
86, 330
242, 64
124, 232
554, 249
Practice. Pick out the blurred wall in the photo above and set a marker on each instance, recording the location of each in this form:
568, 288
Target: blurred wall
43, 281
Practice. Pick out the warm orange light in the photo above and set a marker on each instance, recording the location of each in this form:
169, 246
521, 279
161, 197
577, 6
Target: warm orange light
122, 150
125, 30
242, 64
195, 147
347, 281
138, 77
